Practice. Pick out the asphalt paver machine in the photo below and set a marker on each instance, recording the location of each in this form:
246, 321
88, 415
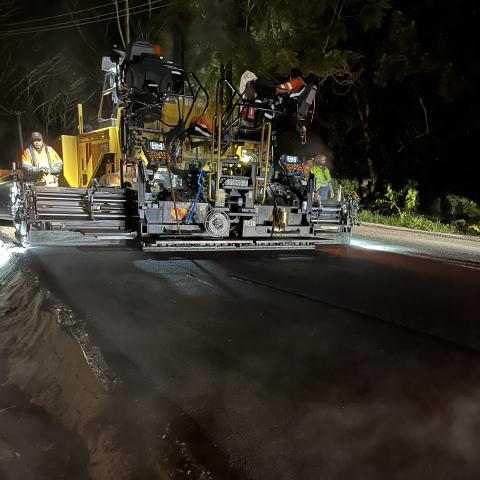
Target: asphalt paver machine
171, 170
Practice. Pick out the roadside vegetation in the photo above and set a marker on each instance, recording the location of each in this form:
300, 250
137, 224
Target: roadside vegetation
402, 208
418, 222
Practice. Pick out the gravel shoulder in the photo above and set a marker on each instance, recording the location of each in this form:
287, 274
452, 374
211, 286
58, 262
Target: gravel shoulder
455, 249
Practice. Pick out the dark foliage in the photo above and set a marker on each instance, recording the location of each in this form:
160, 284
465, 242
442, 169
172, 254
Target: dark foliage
399, 79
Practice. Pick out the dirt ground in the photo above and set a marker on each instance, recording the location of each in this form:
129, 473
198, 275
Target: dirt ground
32, 444
62, 413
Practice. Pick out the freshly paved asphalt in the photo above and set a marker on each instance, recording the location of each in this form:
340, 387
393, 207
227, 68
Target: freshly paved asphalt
343, 363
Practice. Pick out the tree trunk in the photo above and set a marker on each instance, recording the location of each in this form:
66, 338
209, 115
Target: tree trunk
228, 92
178, 46
363, 110
229, 78
220, 93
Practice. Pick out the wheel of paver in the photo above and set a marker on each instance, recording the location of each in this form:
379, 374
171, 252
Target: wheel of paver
217, 224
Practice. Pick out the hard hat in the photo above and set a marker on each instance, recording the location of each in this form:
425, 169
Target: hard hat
37, 136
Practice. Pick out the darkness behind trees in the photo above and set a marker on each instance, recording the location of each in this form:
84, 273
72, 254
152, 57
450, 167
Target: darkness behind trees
398, 97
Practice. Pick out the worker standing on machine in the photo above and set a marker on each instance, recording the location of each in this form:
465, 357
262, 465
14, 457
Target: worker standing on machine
41, 164
294, 84
323, 178
307, 167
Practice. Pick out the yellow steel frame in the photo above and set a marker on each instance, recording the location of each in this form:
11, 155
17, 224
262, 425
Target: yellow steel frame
83, 153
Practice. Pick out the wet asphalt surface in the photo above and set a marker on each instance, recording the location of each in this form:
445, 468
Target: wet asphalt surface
344, 363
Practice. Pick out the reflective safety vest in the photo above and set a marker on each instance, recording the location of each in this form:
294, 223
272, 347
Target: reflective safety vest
33, 160
292, 86
322, 176
202, 126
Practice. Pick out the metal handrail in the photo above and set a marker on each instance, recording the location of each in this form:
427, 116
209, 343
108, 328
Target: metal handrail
215, 160
219, 159
268, 128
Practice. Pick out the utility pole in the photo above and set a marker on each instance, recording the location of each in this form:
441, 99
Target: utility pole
127, 21
19, 125
119, 24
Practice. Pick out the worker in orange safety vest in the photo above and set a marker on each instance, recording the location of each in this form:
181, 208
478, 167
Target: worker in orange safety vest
201, 126
294, 85
40, 163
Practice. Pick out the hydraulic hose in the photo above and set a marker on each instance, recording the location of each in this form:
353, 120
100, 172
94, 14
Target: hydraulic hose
203, 173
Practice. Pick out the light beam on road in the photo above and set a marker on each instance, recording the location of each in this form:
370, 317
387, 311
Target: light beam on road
370, 245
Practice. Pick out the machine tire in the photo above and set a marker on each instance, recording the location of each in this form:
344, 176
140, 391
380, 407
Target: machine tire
217, 224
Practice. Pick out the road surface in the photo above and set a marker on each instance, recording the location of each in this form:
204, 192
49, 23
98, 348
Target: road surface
456, 249
344, 363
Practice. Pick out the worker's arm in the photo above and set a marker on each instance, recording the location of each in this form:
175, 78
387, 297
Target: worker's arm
330, 185
316, 172
27, 165
56, 162
292, 86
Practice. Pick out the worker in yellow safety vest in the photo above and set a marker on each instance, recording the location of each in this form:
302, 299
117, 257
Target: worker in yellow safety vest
40, 163
323, 178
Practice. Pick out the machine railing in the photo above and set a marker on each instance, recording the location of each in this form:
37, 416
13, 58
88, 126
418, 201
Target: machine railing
263, 162
215, 157
264, 159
